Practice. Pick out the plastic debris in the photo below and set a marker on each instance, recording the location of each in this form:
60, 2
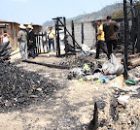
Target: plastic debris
113, 67
131, 82
123, 100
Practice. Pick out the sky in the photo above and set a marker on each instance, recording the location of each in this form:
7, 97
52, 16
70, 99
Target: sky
40, 11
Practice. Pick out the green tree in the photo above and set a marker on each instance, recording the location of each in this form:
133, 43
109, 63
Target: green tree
117, 14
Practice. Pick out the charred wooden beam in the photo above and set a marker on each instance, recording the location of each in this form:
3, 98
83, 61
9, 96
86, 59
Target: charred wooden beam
134, 62
48, 64
133, 28
138, 42
65, 37
58, 53
73, 34
76, 43
126, 40
82, 33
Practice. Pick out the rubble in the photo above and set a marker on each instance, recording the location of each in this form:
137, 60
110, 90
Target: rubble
103, 72
116, 111
19, 88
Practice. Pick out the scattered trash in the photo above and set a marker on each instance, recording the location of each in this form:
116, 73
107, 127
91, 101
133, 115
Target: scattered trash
123, 100
76, 73
86, 68
118, 82
113, 67
39, 89
89, 78
86, 49
98, 70
131, 82
103, 79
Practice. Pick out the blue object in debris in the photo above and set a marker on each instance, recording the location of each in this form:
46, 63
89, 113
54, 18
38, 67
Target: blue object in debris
104, 79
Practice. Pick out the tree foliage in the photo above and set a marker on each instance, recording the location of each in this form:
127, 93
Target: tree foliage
117, 14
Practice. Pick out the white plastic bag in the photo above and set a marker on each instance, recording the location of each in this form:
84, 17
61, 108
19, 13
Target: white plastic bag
113, 66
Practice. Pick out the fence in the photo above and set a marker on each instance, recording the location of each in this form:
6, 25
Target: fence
41, 43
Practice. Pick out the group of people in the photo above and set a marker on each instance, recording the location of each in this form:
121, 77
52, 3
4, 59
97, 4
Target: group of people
106, 37
27, 43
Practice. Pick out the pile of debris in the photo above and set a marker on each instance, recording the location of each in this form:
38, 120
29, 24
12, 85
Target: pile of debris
19, 88
96, 70
117, 109
79, 60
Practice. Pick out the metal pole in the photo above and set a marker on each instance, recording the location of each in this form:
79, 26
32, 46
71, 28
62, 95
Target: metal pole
126, 40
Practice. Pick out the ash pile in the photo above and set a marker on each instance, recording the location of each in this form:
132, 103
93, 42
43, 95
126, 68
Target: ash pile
19, 88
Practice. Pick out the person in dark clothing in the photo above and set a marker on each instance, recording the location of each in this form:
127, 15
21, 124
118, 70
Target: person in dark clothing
110, 29
100, 45
31, 42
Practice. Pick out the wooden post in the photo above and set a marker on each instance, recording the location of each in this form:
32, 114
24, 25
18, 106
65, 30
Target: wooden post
73, 35
57, 38
133, 31
138, 35
126, 40
37, 43
43, 42
82, 33
65, 37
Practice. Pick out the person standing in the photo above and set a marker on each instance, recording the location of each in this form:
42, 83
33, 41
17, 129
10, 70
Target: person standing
5, 37
110, 29
51, 37
5, 46
31, 41
22, 39
100, 45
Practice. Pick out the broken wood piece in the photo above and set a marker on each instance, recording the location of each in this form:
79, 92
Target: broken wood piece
48, 65
134, 62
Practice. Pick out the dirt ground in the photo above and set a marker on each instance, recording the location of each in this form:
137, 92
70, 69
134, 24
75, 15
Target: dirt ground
68, 108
